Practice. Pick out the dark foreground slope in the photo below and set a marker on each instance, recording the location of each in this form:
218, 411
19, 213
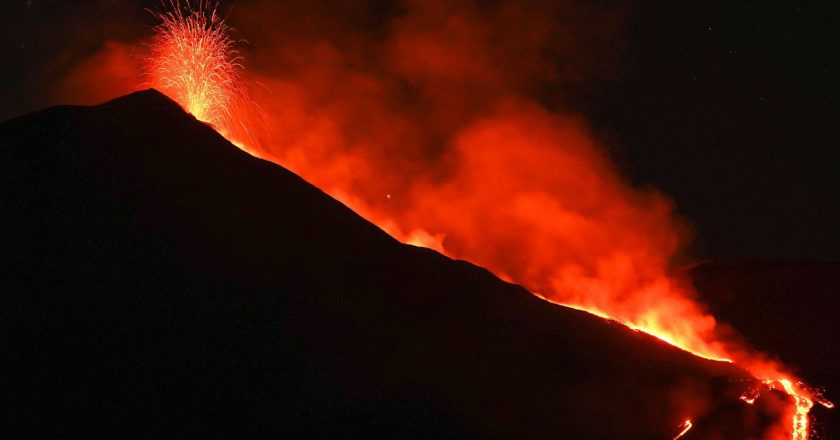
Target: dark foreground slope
159, 282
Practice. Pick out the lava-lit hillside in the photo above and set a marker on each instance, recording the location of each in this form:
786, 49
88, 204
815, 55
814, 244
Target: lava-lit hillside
161, 282
452, 219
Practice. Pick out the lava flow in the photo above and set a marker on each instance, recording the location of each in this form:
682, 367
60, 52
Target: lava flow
686, 426
803, 400
519, 189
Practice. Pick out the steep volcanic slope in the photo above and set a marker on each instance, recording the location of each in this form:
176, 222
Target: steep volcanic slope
158, 281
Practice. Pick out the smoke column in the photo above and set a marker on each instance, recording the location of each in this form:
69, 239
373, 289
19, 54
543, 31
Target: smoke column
445, 127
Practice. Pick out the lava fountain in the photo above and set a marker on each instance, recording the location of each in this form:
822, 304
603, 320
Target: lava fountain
194, 60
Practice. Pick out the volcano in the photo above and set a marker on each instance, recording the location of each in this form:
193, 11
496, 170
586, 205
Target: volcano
160, 282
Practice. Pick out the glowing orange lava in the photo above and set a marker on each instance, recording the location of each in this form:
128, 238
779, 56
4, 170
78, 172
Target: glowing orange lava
804, 400
686, 426
769, 374
557, 220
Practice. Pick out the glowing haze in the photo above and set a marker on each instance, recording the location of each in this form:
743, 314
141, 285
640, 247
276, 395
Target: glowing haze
444, 124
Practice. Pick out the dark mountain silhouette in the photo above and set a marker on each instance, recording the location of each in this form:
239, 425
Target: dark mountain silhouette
158, 282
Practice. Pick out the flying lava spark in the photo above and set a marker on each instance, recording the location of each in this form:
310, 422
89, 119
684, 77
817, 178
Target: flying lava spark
194, 60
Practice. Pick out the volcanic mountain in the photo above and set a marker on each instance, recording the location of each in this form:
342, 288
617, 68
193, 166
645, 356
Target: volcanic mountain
160, 282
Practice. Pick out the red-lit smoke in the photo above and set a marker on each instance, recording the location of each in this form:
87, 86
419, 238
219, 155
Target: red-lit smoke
111, 70
435, 126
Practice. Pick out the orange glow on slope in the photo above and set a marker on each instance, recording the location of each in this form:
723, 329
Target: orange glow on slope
651, 327
686, 426
510, 186
803, 406
804, 401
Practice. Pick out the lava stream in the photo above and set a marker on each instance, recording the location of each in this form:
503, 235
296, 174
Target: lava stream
686, 426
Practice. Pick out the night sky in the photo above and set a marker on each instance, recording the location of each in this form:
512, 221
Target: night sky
730, 108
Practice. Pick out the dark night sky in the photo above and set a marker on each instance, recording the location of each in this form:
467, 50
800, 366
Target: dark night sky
731, 108
734, 111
